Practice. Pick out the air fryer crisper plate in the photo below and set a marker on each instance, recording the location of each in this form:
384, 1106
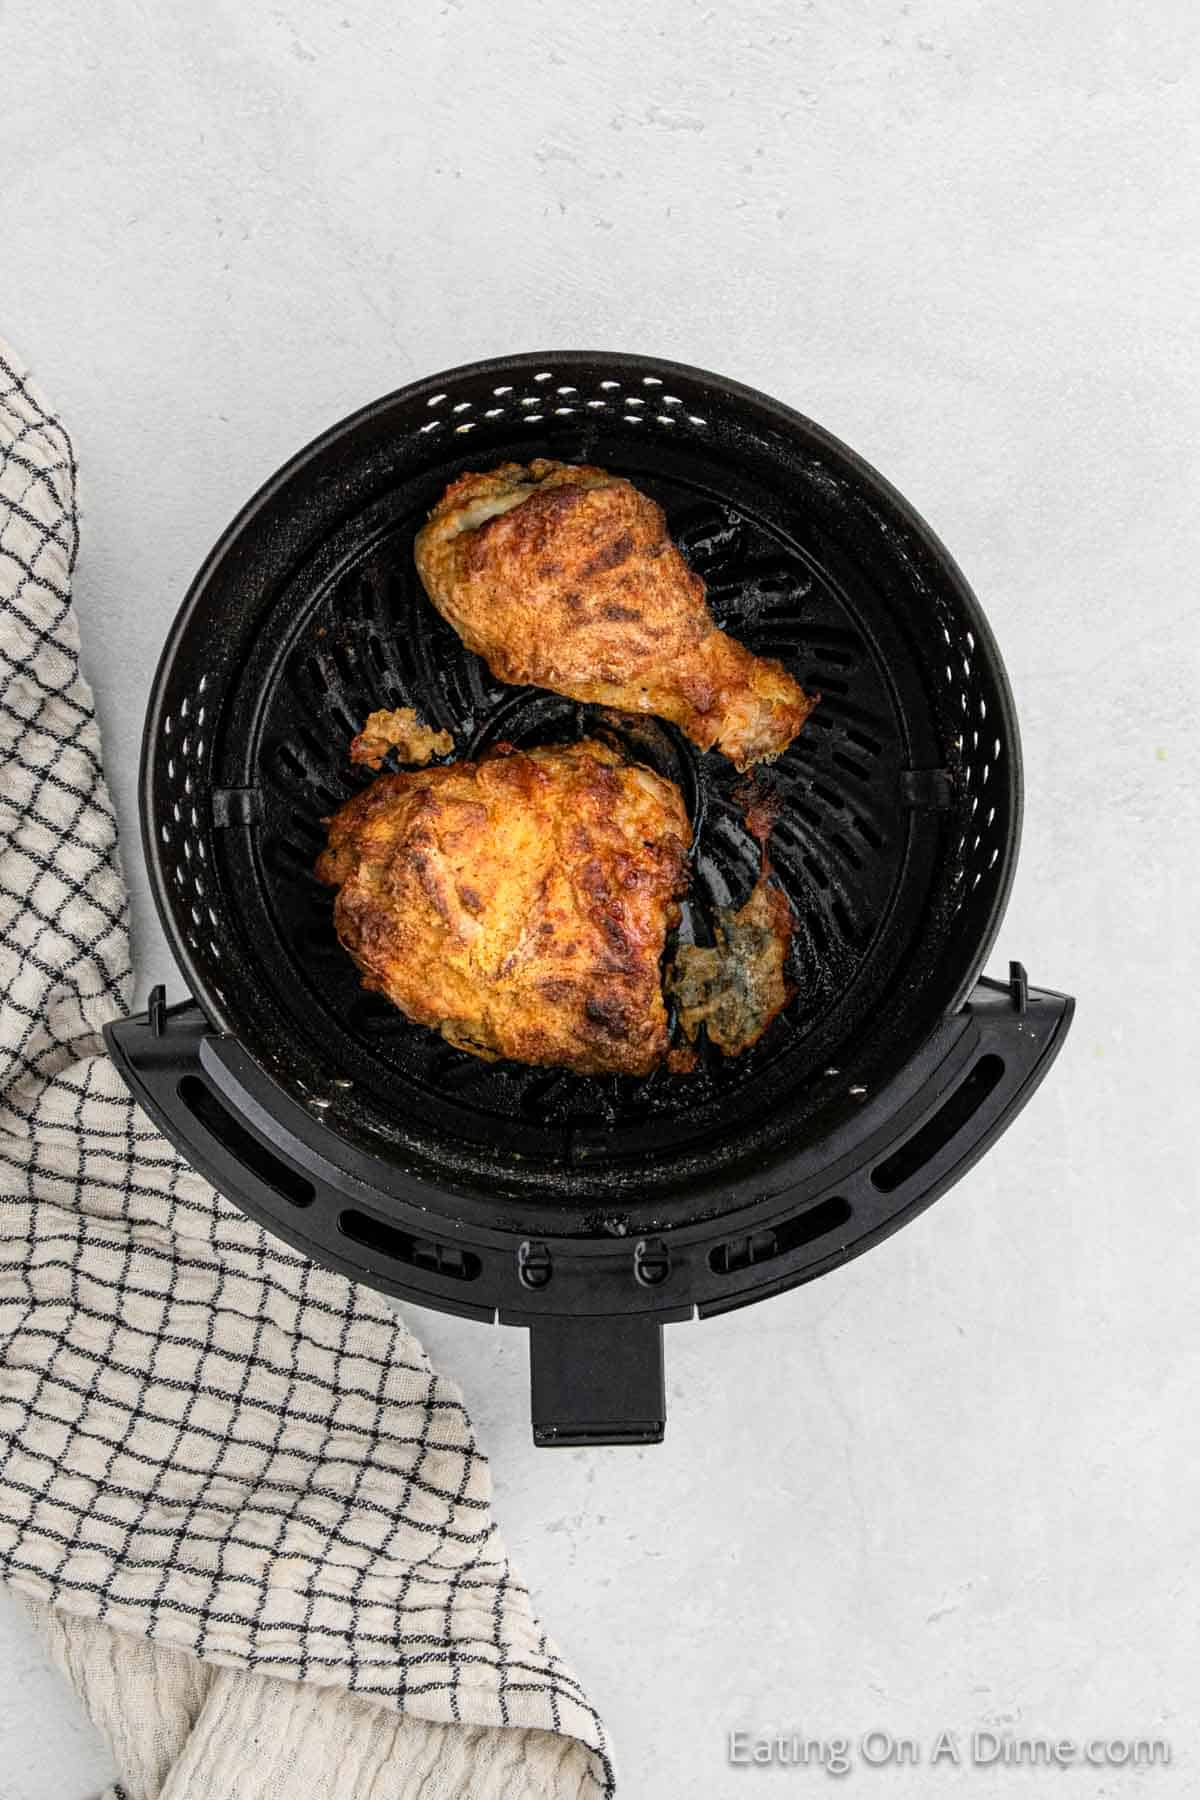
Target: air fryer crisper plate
549, 1197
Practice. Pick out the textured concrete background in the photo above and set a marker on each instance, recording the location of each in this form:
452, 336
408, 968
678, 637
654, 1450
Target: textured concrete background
956, 1483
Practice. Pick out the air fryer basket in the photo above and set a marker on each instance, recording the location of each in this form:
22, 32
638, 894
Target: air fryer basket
591, 1210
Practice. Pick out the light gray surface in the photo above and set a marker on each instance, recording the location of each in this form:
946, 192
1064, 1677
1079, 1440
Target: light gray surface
956, 1482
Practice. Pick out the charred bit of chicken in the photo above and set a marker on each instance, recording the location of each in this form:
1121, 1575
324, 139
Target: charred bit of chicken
402, 731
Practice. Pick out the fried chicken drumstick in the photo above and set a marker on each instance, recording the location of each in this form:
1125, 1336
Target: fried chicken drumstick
564, 577
518, 904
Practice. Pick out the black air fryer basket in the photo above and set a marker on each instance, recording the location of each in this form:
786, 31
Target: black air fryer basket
590, 1210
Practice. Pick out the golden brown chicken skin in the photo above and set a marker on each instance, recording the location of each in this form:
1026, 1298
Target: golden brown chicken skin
564, 577
518, 904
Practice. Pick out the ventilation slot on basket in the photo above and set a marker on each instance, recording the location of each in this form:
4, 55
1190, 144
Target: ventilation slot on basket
936, 1133
254, 1155
418, 1253
744, 1253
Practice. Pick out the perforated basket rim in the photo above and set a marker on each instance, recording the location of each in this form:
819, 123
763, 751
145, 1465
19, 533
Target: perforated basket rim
775, 412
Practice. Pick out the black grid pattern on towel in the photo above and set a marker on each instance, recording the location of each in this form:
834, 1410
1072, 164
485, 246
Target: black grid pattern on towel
204, 1437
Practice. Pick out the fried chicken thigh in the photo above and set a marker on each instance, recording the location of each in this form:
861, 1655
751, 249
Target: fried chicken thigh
518, 904
565, 577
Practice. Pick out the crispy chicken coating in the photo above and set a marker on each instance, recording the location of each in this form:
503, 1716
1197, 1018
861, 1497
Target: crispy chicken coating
518, 904
565, 577
402, 731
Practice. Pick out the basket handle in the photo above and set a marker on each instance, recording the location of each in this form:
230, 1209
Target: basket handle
597, 1380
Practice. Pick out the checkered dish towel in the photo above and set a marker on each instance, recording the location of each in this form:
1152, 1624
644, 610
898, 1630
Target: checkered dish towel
252, 1519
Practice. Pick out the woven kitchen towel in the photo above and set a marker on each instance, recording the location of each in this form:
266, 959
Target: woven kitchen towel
207, 1442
